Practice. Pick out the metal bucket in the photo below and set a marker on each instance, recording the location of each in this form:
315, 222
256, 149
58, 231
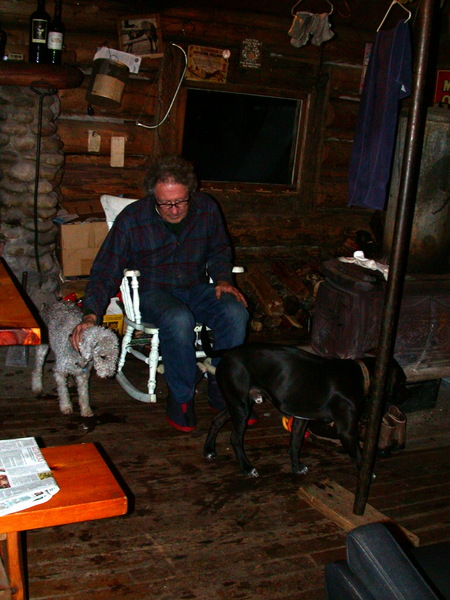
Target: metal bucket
107, 83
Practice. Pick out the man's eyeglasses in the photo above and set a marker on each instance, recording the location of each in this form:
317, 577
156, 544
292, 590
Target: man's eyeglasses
168, 205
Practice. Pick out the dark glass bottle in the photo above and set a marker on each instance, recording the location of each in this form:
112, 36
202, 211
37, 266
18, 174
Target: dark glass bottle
55, 39
39, 21
2, 43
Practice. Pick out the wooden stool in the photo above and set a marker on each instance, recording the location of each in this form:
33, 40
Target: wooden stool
88, 491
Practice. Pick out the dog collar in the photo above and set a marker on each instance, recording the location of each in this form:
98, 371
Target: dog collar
366, 376
83, 367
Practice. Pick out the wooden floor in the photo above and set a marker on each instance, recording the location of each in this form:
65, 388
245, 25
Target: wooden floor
204, 531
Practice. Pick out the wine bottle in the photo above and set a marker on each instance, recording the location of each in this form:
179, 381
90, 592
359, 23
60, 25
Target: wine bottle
39, 21
55, 37
2, 43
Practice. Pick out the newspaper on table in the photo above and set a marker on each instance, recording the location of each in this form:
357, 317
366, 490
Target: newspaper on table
25, 477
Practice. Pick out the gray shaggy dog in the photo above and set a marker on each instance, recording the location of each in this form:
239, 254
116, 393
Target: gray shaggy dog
99, 349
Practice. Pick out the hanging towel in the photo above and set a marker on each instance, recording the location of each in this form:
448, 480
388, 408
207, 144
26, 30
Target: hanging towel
301, 28
322, 32
388, 79
307, 25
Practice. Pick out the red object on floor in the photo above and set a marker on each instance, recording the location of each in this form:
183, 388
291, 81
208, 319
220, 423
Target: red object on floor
287, 424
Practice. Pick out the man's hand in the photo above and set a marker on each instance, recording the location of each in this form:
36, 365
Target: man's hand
227, 288
75, 338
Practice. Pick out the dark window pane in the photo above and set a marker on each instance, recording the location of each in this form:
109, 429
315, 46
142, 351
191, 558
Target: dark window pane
241, 137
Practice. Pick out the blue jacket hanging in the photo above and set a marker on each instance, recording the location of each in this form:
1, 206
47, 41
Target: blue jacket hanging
388, 79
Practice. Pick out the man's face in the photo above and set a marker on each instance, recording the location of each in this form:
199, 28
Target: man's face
176, 196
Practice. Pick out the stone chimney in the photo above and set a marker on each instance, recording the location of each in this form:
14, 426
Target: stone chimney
28, 201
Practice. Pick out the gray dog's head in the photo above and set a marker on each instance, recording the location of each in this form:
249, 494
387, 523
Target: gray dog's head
102, 347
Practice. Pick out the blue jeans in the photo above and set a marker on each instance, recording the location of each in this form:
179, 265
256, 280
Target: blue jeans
175, 313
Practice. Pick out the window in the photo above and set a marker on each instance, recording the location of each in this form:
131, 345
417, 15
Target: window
242, 137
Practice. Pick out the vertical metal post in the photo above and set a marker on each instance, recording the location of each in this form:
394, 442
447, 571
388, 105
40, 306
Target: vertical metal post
399, 253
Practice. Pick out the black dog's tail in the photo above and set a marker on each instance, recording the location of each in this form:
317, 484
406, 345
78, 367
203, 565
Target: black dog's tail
206, 344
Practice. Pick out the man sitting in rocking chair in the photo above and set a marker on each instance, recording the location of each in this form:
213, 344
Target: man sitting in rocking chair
176, 237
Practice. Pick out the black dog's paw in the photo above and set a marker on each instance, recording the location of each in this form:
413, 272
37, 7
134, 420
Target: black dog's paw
301, 470
210, 455
252, 473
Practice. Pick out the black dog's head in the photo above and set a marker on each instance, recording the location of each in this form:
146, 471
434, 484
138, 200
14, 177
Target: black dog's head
396, 392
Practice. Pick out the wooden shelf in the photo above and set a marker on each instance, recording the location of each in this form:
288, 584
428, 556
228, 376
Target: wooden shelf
23, 74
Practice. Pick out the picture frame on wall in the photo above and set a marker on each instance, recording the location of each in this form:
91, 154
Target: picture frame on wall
140, 35
206, 63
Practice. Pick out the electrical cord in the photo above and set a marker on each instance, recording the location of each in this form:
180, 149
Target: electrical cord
138, 122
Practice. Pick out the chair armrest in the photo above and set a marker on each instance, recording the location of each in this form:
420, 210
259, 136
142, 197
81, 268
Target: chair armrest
378, 561
342, 584
131, 273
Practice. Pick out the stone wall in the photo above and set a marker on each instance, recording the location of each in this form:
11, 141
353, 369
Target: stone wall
27, 231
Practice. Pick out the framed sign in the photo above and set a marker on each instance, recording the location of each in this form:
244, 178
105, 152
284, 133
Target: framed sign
250, 54
140, 35
442, 90
206, 64
367, 53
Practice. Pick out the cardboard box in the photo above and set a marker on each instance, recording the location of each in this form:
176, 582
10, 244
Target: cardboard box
91, 207
79, 243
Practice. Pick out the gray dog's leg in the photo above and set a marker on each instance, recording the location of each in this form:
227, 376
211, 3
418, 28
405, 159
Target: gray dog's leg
40, 355
65, 404
83, 394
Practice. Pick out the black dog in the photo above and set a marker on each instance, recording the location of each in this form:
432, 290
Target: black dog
299, 384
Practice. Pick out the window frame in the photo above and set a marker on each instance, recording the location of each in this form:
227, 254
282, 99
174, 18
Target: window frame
303, 109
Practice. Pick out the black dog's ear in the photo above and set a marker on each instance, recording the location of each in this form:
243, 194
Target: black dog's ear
396, 391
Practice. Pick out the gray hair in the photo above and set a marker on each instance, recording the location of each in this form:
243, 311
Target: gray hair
171, 169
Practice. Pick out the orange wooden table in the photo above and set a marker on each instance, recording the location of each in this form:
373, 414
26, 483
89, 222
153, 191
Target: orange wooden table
17, 323
88, 491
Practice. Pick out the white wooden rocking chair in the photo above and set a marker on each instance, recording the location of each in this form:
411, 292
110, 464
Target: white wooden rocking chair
131, 343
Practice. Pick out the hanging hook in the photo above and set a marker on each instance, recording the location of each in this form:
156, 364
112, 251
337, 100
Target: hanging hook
186, 22
293, 13
294, 7
349, 12
389, 10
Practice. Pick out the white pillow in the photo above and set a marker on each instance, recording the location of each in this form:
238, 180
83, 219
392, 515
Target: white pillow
112, 206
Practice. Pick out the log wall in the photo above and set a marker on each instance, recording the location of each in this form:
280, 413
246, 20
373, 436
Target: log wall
264, 221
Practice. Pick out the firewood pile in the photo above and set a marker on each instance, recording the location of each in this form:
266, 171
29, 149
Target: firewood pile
280, 294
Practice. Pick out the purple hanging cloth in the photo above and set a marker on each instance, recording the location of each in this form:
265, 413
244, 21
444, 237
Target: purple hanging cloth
388, 79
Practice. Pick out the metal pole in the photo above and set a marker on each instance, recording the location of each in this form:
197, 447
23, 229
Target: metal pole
399, 253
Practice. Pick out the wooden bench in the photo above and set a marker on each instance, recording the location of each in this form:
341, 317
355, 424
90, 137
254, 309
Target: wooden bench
88, 491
